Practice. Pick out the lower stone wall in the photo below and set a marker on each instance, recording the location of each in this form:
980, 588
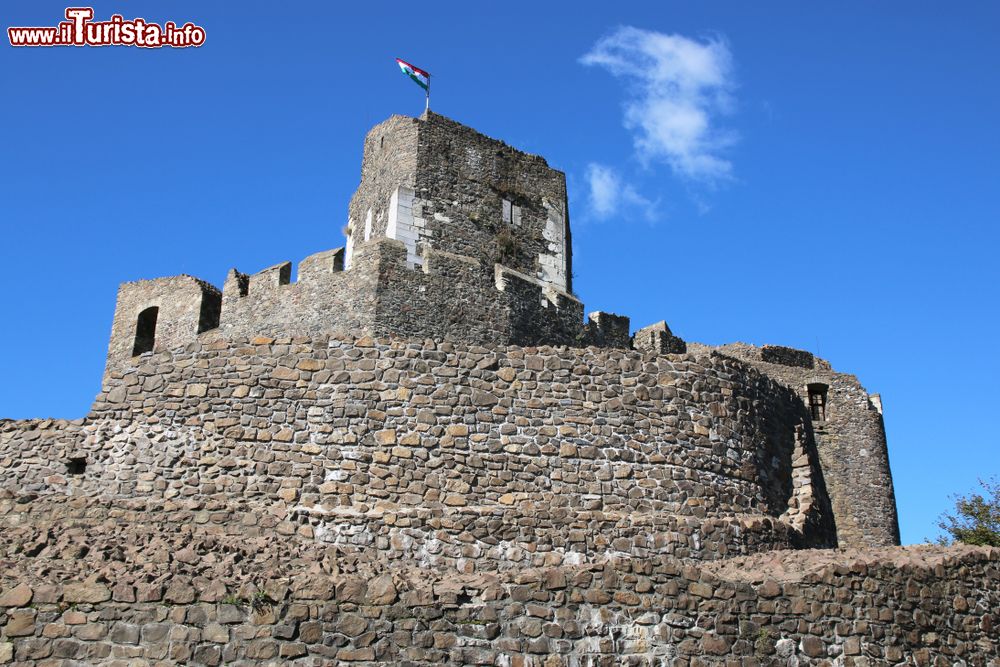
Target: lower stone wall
464, 540
90, 584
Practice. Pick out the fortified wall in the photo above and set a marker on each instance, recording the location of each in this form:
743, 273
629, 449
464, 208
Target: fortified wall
420, 452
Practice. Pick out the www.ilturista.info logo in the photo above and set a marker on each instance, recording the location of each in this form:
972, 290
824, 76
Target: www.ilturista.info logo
81, 30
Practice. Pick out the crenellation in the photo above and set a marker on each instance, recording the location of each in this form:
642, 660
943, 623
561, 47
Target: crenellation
608, 330
658, 339
237, 285
266, 282
177, 309
316, 267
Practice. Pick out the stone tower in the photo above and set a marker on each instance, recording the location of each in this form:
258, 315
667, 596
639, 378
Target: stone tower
431, 182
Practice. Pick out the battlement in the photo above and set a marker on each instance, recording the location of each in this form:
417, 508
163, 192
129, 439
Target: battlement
382, 293
161, 314
317, 268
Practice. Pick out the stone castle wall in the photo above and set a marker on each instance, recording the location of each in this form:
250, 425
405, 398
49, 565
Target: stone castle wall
380, 296
574, 450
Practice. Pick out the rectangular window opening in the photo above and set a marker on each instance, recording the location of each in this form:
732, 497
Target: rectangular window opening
817, 401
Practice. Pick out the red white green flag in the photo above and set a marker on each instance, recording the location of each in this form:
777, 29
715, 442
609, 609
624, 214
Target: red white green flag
419, 76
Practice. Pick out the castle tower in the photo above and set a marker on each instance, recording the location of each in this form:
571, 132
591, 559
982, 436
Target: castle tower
430, 182
454, 236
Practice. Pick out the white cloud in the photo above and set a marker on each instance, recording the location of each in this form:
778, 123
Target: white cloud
609, 196
677, 89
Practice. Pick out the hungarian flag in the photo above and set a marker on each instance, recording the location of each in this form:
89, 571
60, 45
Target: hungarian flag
419, 76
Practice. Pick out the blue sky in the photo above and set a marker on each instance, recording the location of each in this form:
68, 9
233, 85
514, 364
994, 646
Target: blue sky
818, 175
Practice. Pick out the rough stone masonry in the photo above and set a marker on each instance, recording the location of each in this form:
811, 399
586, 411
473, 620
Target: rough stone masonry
420, 452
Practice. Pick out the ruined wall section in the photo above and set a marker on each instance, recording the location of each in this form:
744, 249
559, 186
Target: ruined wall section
851, 442
574, 450
47, 456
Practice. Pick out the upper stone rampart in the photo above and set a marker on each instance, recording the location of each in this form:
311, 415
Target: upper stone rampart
696, 456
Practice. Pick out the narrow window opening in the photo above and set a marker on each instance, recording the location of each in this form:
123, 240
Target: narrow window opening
381, 141
817, 401
76, 466
145, 331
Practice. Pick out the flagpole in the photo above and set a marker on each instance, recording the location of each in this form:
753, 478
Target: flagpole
427, 99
